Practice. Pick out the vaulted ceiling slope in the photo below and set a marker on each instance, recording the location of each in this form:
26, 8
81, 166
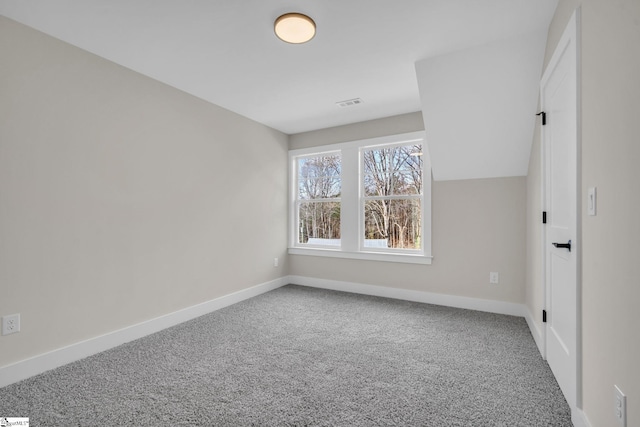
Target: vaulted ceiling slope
479, 107
225, 51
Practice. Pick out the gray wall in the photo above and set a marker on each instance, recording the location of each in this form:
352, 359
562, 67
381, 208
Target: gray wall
478, 226
611, 240
122, 199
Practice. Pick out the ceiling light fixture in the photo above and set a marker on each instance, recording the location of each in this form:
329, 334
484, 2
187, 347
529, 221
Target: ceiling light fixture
295, 28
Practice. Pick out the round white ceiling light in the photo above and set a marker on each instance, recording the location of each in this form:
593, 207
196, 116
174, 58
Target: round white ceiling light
295, 28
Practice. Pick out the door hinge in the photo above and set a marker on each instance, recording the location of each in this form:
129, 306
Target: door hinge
544, 117
544, 316
544, 217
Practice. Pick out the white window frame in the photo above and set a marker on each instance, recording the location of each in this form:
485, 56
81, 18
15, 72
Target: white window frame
296, 202
364, 198
352, 203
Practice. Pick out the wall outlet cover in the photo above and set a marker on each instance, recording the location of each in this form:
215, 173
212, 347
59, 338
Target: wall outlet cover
494, 278
10, 324
620, 406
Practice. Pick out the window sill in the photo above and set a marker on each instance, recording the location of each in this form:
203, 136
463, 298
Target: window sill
369, 256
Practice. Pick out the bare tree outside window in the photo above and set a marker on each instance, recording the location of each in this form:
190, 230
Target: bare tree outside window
319, 189
392, 184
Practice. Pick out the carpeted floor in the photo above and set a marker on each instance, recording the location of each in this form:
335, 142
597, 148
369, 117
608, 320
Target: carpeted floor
300, 356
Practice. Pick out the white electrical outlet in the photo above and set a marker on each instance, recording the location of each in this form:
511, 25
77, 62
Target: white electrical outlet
494, 278
10, 324
620, 406
275, 262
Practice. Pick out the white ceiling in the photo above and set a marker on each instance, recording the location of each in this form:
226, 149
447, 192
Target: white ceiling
225, 52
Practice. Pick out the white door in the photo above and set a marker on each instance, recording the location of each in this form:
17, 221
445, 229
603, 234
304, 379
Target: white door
559, 146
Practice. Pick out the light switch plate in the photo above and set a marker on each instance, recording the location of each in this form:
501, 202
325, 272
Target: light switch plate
591, 201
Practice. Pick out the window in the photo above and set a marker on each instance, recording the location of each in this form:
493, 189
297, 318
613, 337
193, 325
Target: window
392, 196
318, 199
363, 199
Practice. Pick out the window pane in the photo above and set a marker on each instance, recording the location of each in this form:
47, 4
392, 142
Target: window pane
319, 177
319, 223
377, 184
398, 222
408, 182
393, 170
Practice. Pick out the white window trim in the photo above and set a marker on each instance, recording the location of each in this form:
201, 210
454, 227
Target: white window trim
352, 239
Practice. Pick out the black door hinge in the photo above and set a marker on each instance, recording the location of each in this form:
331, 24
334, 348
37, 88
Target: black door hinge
544, 316
544, 117
544, 217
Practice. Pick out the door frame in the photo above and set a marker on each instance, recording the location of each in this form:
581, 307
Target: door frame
571, 33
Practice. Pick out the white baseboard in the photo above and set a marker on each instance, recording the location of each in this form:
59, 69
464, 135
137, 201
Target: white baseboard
579, 418
499, 307
35, 365
536, 332
29, 367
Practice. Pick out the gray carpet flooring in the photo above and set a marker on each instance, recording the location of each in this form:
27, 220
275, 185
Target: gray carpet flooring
300, 356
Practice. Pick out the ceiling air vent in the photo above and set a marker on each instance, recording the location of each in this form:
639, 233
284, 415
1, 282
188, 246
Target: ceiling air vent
349, 102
